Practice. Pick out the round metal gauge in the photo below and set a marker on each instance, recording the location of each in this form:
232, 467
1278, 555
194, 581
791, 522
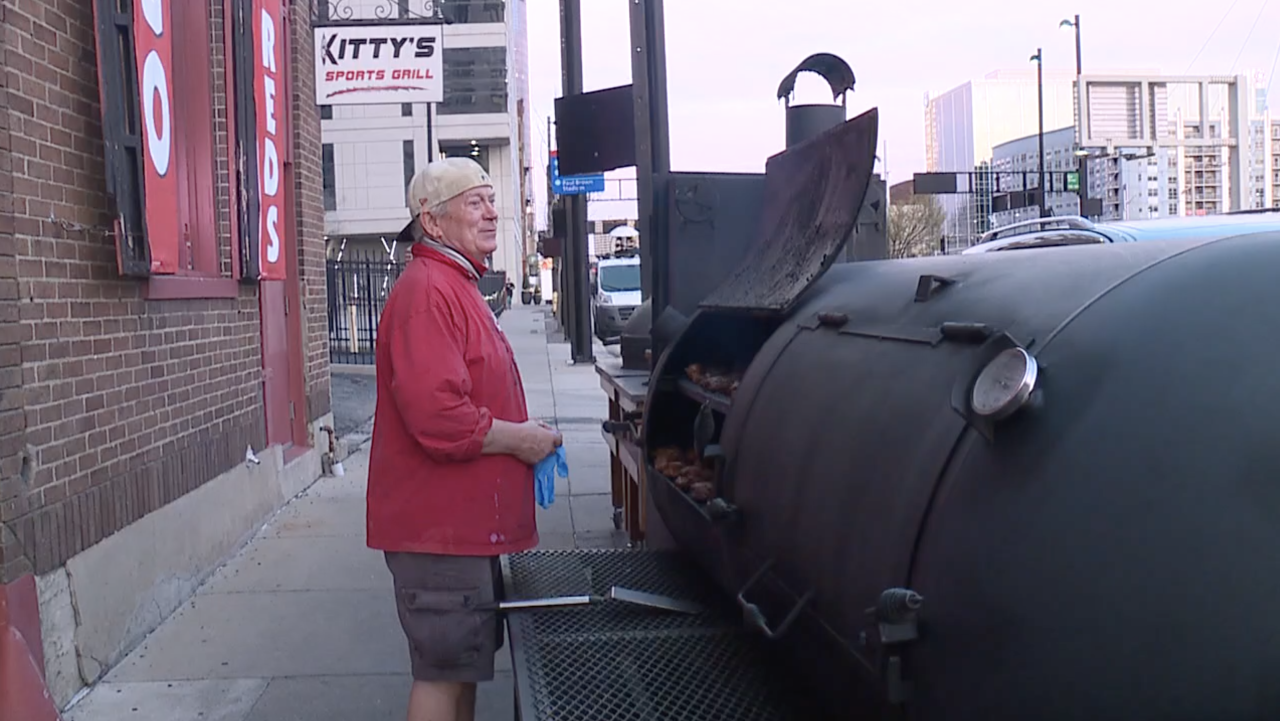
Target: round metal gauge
1005, 384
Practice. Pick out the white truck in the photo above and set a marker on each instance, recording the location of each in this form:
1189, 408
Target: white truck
616, 294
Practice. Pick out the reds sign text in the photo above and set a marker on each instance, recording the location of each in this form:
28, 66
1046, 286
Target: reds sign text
269, 98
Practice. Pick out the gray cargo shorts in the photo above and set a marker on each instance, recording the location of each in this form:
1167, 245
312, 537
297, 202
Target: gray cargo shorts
436, 597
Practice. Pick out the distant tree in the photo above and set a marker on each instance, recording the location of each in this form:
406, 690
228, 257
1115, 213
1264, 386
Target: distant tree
915, 226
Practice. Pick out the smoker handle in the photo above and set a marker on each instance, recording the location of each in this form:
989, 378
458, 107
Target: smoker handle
756, 618
536, 603
617, 428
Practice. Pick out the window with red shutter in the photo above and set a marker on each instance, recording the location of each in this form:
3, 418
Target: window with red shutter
193, 124
160, 148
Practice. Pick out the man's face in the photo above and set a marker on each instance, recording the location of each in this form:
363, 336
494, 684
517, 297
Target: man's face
471, 224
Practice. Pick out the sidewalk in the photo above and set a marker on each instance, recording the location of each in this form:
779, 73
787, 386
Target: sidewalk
301, 625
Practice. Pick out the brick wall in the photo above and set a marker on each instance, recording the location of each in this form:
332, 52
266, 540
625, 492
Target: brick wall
112, 405
310, 210
12, 561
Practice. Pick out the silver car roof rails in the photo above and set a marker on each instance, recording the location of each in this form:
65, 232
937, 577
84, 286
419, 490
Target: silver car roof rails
1072, 222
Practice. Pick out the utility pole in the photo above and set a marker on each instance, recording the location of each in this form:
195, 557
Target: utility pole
1082, 158
1044, 192
578, 300
431, 140
653, 150
1075, 24
557, 264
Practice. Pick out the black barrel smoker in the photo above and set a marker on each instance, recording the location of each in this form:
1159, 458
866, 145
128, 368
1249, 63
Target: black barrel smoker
1004, 486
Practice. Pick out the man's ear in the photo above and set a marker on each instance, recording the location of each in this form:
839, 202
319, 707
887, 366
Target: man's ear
430, 225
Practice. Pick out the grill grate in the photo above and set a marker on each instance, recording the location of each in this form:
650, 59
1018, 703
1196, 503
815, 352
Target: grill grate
541, 574
612, 662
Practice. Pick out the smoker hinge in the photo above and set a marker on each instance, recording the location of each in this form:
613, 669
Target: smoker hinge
832, 319
286, 304
896, 621
293, 411
959, 332
928, 284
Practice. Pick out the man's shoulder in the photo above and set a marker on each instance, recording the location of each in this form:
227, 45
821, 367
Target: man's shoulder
422, 288
419, 285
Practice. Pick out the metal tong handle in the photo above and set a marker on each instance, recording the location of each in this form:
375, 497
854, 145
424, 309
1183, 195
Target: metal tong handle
554, 602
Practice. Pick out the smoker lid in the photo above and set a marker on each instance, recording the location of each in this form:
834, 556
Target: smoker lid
813, 194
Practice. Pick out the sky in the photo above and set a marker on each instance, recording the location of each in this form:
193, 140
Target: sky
725, 59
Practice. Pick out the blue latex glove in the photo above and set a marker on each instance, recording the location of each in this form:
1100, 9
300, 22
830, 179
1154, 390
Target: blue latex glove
544, 477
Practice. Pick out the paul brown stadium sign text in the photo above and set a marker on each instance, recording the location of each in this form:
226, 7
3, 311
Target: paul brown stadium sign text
375, 64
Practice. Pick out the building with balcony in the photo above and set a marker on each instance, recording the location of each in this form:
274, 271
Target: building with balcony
1204, 188
1135, 187
1271, 169
371, 152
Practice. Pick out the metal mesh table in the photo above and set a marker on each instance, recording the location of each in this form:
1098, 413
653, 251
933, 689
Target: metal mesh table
611, 662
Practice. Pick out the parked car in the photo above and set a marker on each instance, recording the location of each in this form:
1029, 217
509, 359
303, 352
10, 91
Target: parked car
616, 294
1075, 230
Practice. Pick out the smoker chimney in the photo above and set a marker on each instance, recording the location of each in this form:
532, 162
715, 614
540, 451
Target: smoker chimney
809, 121
805, 122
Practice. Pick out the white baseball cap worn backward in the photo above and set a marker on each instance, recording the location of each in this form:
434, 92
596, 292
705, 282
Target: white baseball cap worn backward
443, 180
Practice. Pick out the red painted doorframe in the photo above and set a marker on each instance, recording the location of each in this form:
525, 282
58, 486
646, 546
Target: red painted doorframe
293, 282
280, 301
23, 693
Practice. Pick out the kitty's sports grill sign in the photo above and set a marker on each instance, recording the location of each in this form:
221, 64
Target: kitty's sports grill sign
376, 64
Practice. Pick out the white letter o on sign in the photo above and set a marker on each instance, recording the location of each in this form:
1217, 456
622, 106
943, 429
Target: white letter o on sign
155, 80
153, 12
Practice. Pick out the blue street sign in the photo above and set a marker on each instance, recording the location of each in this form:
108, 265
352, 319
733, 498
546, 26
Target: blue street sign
574, 184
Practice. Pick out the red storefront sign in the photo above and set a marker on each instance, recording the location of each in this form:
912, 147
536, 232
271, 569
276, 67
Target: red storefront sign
153, 50
268, 88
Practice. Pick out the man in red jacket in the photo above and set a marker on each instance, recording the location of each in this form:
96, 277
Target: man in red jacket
451, 461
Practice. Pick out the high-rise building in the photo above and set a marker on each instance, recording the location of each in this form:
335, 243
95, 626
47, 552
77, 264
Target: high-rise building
964, 124
1271, 166
370, 152
1135, 187
1133, 184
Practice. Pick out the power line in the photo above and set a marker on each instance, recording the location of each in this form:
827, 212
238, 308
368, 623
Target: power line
541, 134
1271, 74
1210, 38
1252, 27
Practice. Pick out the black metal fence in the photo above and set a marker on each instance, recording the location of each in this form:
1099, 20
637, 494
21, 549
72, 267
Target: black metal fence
358, 291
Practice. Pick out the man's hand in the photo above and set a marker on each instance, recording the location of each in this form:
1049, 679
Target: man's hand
535, 442
530, 441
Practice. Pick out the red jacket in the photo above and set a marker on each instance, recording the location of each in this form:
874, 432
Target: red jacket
445, 371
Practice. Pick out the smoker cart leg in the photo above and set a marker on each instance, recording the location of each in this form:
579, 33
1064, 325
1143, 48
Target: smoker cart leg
617, 473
